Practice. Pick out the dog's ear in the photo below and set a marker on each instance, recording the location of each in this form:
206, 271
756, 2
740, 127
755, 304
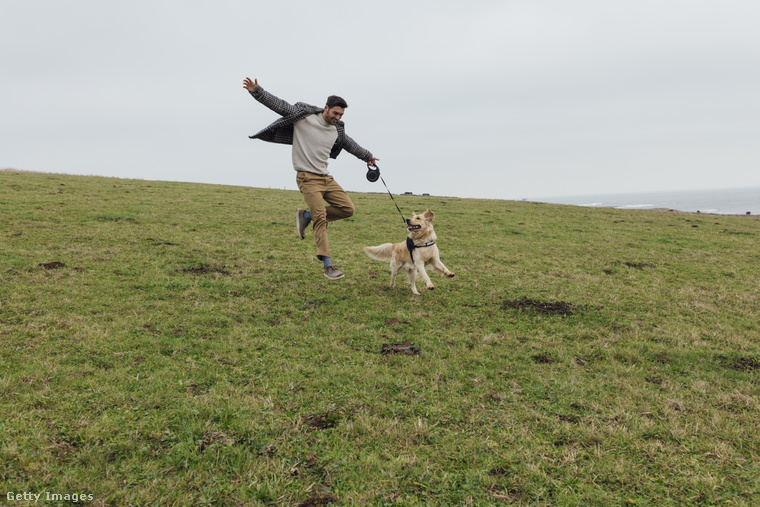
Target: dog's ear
429, 215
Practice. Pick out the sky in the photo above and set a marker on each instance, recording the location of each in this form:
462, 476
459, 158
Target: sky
502, 99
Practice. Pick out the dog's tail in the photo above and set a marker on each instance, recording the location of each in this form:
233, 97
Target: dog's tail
383, 252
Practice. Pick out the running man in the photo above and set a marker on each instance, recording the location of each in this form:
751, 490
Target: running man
316, 134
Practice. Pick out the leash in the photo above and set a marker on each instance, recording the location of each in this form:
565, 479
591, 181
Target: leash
373, 175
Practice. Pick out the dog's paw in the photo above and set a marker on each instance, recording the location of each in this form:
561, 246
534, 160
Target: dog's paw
450, 275
431, 287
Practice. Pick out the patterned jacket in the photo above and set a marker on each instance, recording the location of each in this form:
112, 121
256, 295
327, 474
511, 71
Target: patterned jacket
281, 131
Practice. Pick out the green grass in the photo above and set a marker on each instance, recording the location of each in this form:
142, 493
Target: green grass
187, 350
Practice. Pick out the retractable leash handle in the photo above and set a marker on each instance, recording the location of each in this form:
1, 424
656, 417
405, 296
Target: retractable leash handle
373, 174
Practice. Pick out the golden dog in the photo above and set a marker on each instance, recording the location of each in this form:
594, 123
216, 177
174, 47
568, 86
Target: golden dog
415, 254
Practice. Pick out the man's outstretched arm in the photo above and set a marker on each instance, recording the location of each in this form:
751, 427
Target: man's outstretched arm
357, 151
277, 105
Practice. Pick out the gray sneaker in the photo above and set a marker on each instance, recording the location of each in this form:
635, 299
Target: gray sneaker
301, 223
333, 273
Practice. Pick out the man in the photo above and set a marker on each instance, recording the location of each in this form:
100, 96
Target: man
316, 134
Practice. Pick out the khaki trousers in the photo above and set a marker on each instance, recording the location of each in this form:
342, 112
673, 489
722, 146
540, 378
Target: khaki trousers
316, 189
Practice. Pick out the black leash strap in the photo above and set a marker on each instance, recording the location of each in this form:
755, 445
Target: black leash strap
372, 175
377, 169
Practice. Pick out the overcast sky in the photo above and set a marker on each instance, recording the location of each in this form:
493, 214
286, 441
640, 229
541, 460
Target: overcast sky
495, 99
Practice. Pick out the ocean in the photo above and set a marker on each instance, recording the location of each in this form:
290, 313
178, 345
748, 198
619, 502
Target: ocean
736, 201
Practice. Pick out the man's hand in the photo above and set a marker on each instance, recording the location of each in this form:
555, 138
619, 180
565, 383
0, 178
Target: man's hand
250, 85
372, 161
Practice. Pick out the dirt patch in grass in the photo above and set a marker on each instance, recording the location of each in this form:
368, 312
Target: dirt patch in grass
510, 495
220, 438
205, 269
405, 348
629, 264
114, 218
323, 421
53, 265
156, 242
638, 265
662, 358
195, 389
545, 307
544, 358
741, 363
319, 500
497, 397
500, 471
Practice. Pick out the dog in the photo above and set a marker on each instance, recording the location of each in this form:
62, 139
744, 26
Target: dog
415, 254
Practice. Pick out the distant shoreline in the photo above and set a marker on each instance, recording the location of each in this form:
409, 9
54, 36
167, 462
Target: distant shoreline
736, 201
698, 213
661, 210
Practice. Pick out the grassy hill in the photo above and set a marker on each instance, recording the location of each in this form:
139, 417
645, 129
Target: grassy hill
176, 344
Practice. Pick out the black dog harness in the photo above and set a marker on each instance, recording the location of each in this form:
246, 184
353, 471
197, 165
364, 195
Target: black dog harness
412, 247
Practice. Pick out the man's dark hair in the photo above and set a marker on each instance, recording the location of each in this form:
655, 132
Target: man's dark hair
335, 101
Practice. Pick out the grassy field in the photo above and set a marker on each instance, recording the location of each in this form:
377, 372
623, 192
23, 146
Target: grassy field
176, 344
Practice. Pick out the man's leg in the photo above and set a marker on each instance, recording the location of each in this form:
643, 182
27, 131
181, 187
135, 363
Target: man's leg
340, 207
316, 189
313, 188
340, 204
